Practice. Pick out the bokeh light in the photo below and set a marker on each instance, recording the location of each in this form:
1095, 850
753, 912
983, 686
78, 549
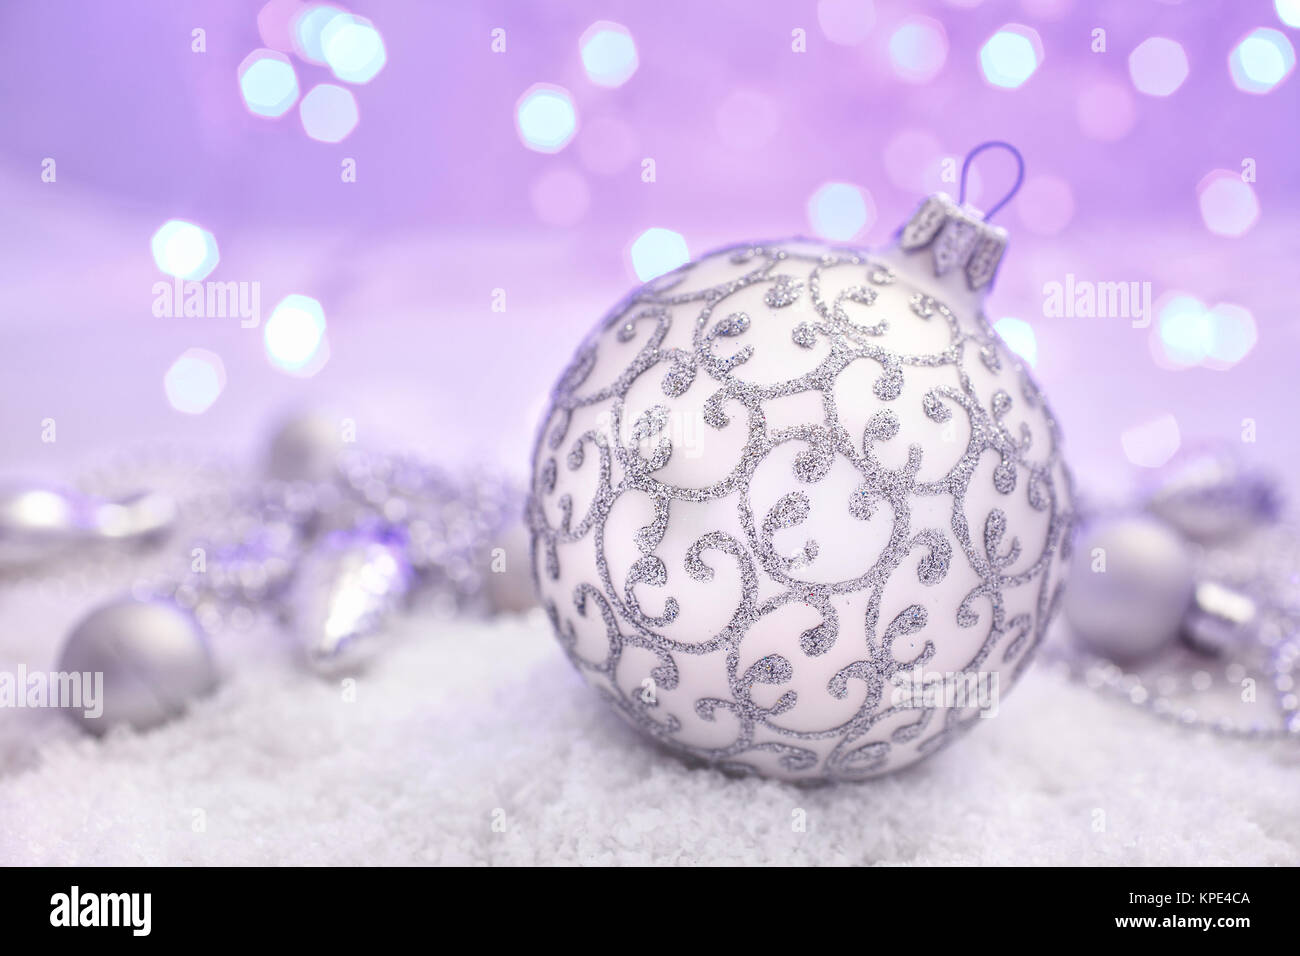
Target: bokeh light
308, 26
846, 22
1228, 204
1158, 66
184, 250
1235, 335
294, 335
1105, 111
1045, 205
918, 49
560, 196
1262, 60
658, 251
1288, 11
1020, 338
840, 211
275, 22
329, 113
546, 118
1189, 334
194, 381
268, 83
1010, 56
353, 48
1152, 443
608, 53
1184, 331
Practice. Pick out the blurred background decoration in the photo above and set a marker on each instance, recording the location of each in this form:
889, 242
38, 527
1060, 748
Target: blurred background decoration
423, 205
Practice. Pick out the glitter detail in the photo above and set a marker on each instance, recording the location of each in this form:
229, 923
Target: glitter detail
804, 335
934, 409
735, 324
1004, 477
785, 291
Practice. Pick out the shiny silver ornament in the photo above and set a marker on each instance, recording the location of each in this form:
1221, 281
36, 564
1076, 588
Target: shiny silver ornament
137, 517
154, 659
1221, 618
38, 522
347, 590
1130, 587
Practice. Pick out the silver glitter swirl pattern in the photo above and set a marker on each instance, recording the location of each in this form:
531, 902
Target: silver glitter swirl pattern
676, 488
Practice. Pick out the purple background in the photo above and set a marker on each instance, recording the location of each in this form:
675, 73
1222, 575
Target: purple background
404, 260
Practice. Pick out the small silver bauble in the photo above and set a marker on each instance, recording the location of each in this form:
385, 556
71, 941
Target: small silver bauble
1221, 618
1129, 588
154, 659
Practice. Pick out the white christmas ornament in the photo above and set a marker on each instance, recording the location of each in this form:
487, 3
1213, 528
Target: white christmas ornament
797, 510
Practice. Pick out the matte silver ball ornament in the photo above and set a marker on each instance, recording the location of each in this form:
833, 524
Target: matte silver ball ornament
1130, 587
154, 659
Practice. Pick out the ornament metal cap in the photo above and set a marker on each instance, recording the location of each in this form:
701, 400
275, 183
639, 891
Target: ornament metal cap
959, 238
